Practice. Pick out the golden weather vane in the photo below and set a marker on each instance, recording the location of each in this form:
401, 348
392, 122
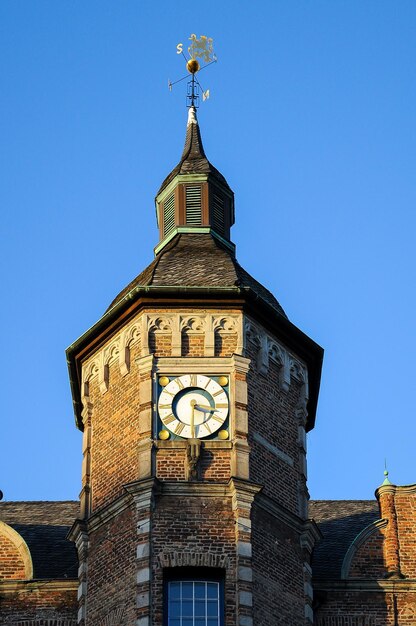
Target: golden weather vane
201, 48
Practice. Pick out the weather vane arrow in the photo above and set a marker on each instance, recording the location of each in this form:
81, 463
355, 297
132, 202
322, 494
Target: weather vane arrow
201, 48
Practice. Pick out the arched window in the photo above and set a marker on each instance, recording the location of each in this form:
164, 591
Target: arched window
193, 597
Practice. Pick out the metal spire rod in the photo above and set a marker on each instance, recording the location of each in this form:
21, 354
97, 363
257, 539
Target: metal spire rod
199, 48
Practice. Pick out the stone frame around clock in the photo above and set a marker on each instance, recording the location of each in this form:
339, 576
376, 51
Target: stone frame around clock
235, 367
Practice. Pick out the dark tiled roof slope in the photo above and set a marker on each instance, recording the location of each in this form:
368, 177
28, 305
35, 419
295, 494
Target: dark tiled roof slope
197, 260
44, 526
339, 521
193, 159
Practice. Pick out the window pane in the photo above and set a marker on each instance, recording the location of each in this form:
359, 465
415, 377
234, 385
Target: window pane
187, 590
193, 603
200, 590
199, 608
174, 609
174, 590
212, 589
187, 608
212, 609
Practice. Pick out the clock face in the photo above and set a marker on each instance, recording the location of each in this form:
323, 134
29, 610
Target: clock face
193, 406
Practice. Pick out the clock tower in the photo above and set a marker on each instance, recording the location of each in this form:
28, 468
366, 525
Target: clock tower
194, 393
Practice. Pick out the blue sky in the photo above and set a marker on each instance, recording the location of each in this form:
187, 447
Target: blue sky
311, 119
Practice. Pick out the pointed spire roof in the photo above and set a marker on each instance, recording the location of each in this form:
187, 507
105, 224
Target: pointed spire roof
193, 159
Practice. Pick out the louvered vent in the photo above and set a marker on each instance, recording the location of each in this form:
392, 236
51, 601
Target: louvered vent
218, 213
193, 206
169, 215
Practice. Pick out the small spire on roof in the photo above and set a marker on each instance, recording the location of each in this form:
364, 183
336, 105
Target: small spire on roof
193, 149
386, 480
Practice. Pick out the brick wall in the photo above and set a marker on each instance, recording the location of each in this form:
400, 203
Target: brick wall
278, 583
272, 415
39, 604
371, 607
12, 564
115, 428
199, 526
127, 555
368, 561
111, 582
405, 503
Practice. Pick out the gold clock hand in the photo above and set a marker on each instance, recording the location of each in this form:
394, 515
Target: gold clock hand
204, 408
193, 405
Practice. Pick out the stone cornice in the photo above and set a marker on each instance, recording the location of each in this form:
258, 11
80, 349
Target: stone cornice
285, 516
210, 490
380, 585
29, 586
110, 511
396, 489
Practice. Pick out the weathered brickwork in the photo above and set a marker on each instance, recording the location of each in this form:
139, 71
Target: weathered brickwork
405, 505
40, 603
111, 565
371, 607
379, 586
278, 583
192, 344
115, 427
272, 420
160, 344
368, 561
214, 463
199, 526
12, 565
225, 344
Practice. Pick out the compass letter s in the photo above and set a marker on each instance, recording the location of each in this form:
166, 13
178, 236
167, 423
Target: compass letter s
179, 48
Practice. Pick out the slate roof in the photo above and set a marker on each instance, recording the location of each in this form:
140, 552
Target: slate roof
339, 521
193, 159
44, 526
197, 260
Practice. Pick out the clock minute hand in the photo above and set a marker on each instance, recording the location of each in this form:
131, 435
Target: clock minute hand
205, 409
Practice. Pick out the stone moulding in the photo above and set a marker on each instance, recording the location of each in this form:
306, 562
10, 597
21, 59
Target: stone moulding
21, 547
46, 622
31, 586
192, 559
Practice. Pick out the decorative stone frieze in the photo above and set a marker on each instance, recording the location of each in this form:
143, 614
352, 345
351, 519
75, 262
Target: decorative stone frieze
270, 349
46, 622
192, 559
145, 326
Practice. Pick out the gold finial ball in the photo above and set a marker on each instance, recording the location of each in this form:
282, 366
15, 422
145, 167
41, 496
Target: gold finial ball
223, 381
192, 66
164, 434
223, 434
163, 381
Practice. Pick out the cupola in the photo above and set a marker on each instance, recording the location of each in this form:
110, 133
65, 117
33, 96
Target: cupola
195, 197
